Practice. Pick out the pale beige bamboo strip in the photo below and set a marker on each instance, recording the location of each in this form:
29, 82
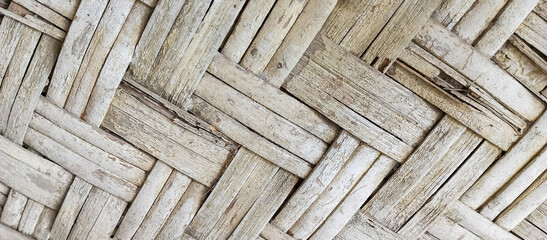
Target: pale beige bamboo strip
74, 48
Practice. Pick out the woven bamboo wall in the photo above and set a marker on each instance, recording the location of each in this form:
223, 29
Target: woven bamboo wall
273, 119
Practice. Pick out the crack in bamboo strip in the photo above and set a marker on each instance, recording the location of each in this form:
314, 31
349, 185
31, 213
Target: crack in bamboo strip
393, 39
435, 38
492, 128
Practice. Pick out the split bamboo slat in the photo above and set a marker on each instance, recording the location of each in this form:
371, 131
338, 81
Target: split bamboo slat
273, 119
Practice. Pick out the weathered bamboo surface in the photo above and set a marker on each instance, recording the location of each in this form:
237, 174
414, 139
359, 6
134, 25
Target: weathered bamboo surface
273, 119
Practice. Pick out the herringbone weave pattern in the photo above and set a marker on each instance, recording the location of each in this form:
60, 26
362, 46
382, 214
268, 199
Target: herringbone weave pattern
273, 119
